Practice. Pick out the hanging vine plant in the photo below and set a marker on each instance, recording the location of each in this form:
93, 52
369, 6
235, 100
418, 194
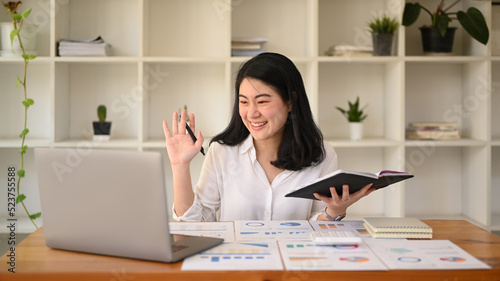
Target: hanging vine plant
18, 21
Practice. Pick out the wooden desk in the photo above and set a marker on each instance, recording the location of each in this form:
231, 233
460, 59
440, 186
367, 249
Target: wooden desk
35, 261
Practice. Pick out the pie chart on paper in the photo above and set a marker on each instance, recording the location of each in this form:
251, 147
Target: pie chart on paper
290, 224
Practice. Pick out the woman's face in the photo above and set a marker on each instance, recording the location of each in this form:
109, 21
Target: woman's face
262, 110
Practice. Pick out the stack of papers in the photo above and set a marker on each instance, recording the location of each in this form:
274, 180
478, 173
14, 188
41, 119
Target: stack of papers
92, 47
250, 46
278, 245
350, 51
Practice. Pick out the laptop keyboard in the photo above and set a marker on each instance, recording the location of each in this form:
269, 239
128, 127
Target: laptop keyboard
176, 248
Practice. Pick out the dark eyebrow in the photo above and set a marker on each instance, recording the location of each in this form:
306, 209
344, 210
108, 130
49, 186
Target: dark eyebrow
258, 96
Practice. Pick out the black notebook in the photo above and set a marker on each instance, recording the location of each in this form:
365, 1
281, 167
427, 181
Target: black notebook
355, 180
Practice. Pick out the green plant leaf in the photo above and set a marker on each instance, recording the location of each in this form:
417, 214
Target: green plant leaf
21, 173
24, 133
35, 216
16, 17
441, 24
29, 57
411, 13
474, 23
13, 35
20, 198
19, 82
25, 14
23, 149
28, 102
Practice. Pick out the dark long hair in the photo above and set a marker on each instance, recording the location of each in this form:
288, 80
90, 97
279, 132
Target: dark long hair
302, 143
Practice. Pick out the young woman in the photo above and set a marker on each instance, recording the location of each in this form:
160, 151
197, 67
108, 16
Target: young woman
271, 146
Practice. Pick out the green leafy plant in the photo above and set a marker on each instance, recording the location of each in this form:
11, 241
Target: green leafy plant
384, 24
472, 21
354, 113
17, 21
101, 113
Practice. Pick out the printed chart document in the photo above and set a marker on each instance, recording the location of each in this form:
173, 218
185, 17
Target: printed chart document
223, 230
423, 254
274, 230
237, 256
307, 256
354, 225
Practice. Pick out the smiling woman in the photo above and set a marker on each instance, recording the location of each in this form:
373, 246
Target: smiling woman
262, 155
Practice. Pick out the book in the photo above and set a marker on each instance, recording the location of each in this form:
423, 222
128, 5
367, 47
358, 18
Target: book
427, 134
433, 125
349, 51
355, 180
432, 131
381, 227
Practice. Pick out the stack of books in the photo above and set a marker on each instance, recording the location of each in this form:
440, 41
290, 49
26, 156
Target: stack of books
250, 46
381, 227
350, 51
92, 47
432, 131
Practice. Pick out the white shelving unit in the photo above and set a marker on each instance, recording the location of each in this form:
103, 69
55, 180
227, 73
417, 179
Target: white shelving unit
168, 53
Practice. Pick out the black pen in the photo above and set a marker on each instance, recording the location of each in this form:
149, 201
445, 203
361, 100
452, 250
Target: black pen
194, 138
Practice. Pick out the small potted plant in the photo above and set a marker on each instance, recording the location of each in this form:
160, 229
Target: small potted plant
382, 29
102, 129
437, 37
355, 116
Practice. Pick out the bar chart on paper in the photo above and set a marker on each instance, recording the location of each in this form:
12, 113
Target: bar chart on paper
237, 256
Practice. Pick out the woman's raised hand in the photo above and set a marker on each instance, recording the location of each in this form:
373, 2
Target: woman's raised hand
180, 146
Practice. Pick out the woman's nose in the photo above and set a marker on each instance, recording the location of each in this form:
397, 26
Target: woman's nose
253, 111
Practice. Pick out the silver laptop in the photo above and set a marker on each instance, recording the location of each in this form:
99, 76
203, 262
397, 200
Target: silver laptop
109, 202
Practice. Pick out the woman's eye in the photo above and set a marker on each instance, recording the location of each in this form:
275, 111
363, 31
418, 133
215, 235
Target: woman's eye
243, 102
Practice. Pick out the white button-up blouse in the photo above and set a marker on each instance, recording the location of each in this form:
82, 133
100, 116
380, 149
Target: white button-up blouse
234, 182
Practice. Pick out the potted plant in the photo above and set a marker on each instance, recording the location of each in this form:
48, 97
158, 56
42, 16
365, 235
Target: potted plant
437, 37
102, 129
382, 29
26, 31
355, 116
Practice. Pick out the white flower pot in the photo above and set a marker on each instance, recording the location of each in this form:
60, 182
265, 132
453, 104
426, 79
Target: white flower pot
356, 130
28, 36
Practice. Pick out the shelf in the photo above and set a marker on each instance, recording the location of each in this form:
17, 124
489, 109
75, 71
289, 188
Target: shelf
445, 59
194, 60
367, 142
445, 143
16, 143
168, 54
89, 143
110, 59
363, 60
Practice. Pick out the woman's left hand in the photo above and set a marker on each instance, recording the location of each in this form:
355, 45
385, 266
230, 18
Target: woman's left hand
337, 204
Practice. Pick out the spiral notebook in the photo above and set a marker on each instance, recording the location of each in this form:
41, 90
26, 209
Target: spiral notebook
381, 227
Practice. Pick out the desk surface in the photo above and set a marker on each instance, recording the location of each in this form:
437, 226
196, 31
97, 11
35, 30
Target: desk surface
35, 261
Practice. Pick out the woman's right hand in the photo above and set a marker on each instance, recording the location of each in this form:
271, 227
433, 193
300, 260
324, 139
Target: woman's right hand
180, 146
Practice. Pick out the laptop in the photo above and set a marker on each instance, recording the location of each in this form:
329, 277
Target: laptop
110, 202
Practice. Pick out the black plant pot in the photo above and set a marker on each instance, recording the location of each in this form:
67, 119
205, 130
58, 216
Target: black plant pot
433, 42
382, 44
102, 130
